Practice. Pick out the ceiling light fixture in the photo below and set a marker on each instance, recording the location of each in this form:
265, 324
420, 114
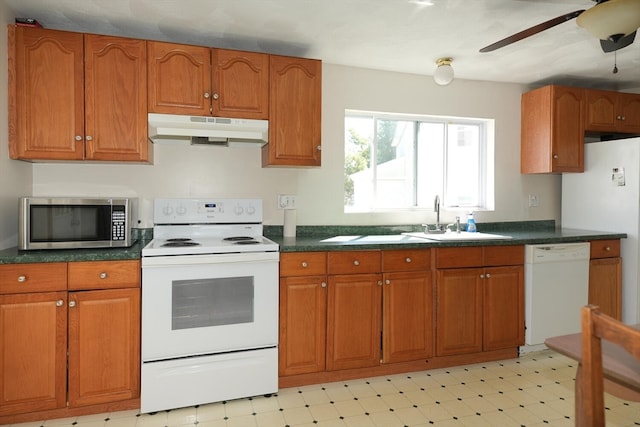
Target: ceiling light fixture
612, 19
444, 73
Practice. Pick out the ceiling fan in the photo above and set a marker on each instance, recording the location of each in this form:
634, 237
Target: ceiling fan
614, 22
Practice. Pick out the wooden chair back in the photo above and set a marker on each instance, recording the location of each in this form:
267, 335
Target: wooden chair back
595, 327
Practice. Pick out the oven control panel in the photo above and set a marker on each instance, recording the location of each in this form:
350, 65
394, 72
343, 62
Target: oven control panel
207, 211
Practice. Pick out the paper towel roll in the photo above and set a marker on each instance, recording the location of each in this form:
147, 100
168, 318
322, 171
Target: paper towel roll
289, 223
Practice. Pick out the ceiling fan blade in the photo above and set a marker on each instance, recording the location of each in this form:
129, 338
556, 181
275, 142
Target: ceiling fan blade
610, 46
531, 31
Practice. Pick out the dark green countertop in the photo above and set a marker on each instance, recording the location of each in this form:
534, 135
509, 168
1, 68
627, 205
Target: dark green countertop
14, 256
362, 238
324, 238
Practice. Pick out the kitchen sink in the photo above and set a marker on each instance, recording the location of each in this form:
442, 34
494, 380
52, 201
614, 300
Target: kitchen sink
463, 235
387, 238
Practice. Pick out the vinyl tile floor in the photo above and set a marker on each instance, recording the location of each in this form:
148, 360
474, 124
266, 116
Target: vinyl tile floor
534, 390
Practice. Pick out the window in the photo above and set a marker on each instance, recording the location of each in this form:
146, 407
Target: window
402, 162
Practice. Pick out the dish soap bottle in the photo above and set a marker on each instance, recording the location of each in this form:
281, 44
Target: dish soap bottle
471, 223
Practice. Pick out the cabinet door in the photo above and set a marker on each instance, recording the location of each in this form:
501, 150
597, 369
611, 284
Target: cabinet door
568, 130
33, 352
407, 319
240, 84
179, 79
459, 311
294, 112
353, 321
628, 112
503, 325
46, 94
104, 346
552, 137
600, 110
115, 99
303, 322
605, 285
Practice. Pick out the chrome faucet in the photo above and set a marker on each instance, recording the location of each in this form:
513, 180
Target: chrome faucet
436, 208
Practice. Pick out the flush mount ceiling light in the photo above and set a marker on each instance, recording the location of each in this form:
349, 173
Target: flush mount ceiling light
444, 73
612, 19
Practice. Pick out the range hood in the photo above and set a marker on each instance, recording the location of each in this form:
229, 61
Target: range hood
206, 130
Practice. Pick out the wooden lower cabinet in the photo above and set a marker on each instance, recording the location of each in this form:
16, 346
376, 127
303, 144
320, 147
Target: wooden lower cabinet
481, 307
503, 308
407, 321
303, 323
353, 321
104, 346
605, 277
459, 311
65, 353
354, 314
33, 352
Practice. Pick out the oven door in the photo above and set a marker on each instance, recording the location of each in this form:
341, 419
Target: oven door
207, 304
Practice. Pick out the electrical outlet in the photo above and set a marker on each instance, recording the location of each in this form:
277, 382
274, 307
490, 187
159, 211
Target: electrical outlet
534, 201
286, 201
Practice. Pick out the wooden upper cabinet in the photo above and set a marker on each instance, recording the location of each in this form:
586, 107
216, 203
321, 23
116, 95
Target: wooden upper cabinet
179, 79
115, 99
552, 137
75, 96
240, 84
46, 94
200, 81
608, 111
295, 93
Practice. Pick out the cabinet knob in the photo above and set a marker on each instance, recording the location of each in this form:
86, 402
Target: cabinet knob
319, 148
482, 276
323, 284
103, 275
78, 138
388, 282
304, 264
356, 262
216, 96
379, 282
555, 156
407, 259
72, 303
608, 248
89, 138
207, 95
488, 276
59, 303
22, 279
624, 118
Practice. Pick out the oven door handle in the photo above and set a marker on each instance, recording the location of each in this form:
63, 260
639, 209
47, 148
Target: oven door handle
240, 257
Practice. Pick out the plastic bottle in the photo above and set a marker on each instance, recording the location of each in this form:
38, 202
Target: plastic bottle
471, 223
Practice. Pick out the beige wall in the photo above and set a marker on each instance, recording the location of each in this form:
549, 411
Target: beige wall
185, 171
15, 177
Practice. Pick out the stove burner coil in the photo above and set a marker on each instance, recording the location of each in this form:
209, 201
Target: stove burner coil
238, 238
246, 242
180, 243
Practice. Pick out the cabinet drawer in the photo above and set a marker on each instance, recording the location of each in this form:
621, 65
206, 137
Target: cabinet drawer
303, 264
503, 255
104, 274
605, 248
459, 257
27, 278
353, 262
406, 260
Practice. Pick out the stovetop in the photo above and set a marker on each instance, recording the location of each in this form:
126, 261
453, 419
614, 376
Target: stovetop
207, 226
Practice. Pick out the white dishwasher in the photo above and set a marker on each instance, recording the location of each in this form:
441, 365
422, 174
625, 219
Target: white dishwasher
556, 287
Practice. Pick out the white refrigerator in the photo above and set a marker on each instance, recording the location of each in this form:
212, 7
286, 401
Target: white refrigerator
606, 197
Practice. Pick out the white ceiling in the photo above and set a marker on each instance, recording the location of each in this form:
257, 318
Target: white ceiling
397, 35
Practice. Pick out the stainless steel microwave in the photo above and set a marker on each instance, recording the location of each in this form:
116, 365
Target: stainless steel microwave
70, 223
